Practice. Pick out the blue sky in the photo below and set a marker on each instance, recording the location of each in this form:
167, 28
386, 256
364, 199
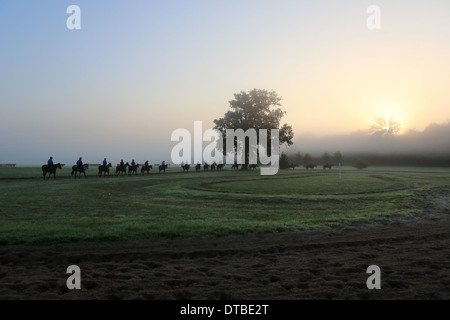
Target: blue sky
137, 70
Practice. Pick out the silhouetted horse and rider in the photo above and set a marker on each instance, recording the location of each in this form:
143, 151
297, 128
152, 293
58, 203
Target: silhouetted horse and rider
122, 168
146, 168
78, 170
235, 166
50, 169
163, 168
327, 166
132, 169
104, 169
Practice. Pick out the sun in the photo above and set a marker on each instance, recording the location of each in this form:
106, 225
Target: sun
385, 126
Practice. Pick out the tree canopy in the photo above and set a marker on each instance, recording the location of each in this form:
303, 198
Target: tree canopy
257, 109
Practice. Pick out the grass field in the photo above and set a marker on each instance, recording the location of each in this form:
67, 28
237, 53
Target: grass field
178, 205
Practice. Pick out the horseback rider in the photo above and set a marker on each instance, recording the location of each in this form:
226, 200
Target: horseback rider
146, 164
80, 164
122, 165
163, 163
104, 162
133, 164
50, 163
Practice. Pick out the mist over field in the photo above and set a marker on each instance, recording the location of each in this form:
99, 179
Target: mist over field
434, 141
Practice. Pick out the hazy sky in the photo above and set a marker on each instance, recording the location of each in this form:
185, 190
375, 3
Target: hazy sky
138, 70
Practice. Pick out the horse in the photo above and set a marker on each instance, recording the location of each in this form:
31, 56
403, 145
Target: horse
327, 166
219, 167
104, 169
133, 169
163, 168
50, 170
76, 169
311, 166
253, 166
213, 167
235, 166
198, 167
186, 167
205, 167
146, 168
122, 169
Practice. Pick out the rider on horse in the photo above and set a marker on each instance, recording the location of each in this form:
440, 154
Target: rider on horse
80, 164
104, 162
122, 165
50, 163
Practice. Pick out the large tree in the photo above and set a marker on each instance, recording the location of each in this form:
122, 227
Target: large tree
257, 109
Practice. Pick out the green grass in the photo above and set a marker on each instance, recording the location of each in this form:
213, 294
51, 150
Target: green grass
199, 204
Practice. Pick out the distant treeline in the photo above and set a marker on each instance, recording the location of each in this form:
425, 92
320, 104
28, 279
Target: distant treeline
406, 160
416, 160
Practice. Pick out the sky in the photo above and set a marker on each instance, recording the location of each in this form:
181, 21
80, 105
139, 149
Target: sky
138, 70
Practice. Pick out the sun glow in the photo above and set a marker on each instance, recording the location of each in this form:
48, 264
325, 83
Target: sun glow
385, 126
388, 120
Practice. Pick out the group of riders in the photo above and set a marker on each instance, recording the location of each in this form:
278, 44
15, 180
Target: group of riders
122, 166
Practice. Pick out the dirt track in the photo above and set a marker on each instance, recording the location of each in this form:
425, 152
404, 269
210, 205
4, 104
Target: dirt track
413, 254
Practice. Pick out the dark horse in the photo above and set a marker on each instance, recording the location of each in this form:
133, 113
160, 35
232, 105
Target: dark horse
197, 167
82, 170
186, 167
163, 168
50, 170
146, 168
220, 167
133, 169
253, 166
122, 169
327, 166
205, 167
235, 166
104, 169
